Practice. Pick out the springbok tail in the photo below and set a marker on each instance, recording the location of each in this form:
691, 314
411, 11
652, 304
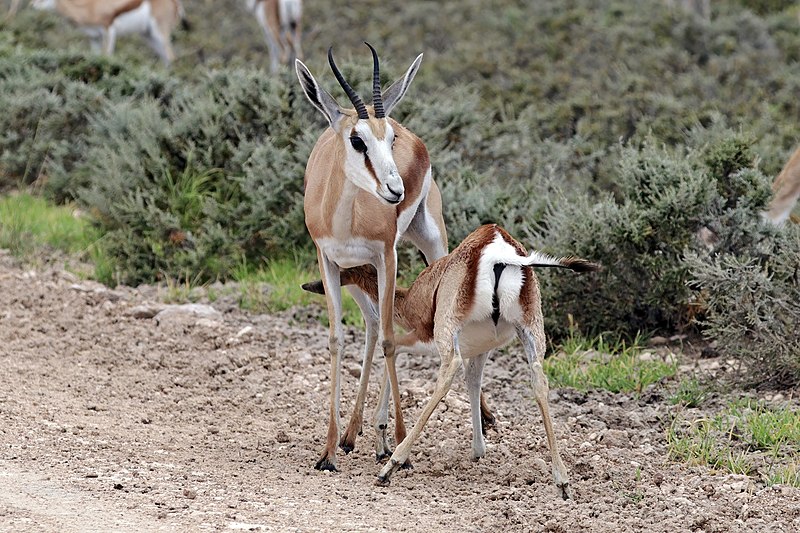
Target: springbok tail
540, 259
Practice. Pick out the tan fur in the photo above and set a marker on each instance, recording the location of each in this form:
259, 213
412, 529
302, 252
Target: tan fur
354, 220
786, 190
102, 13
95, 12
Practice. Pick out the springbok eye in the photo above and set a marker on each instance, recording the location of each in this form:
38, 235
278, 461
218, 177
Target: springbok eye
358, 144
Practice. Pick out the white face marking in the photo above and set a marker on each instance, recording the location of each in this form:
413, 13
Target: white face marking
389, 187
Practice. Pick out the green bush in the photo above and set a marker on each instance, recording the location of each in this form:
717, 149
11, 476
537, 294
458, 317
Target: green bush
642, 236
753, 306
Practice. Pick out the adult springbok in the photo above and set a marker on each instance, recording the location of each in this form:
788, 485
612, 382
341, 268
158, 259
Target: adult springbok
785, 190
463, 306
103, 20
367, 184
281, 22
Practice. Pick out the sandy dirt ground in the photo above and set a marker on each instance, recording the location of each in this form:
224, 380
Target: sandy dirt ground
111, 420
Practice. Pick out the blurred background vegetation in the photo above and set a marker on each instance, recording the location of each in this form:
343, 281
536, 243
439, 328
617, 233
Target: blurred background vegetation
614, 130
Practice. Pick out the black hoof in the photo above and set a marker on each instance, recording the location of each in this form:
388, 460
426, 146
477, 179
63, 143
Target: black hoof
382, 481
487, 424
325, 464
407, 465
380, 457
347, 447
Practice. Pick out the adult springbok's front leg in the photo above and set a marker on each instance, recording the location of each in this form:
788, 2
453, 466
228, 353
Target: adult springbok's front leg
387, 275
333, 297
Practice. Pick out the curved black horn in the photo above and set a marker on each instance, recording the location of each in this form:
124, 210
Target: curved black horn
361, 109
377, 101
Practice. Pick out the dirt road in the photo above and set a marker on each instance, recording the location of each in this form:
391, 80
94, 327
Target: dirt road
110, 422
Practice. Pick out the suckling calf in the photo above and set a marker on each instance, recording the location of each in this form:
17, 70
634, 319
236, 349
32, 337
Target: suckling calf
464, 305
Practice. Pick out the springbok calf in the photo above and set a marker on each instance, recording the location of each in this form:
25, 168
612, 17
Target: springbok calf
281, 22
463, 306
367, 184
103, 20
785, 190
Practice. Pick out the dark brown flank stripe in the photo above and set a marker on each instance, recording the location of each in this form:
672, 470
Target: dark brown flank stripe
484, 236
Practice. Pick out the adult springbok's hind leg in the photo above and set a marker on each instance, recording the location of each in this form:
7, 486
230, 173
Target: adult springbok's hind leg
426, 230
370, 314
534, 349
451, 361
333, 297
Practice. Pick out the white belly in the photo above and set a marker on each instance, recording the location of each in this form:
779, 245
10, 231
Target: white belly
474, 339
352, 252
135, 21
481, 336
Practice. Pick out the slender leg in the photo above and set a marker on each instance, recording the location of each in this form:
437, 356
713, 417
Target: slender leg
333, 297
451, 360
540, 391
274, 48
387, 272
109, 41
473, 372
426, 231
160, 44
370, 314
382, 448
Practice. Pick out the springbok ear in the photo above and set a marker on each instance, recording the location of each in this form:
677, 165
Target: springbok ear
319, 97
396, 92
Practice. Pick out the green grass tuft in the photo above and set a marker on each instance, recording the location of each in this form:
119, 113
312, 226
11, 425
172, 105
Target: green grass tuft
746, 437
601, 364
276, 286
30, 225
690, 393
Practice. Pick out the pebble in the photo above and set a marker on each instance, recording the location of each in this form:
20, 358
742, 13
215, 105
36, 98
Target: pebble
616, 438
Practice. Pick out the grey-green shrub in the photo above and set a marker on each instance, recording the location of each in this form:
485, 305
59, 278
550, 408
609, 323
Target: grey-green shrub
753, 306
642, 236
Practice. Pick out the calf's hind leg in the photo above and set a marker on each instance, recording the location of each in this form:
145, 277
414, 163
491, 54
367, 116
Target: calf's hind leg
535, 351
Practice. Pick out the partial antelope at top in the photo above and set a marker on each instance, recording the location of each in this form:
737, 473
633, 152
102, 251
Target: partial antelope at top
368, 184
281, 21
785, 191
104, 20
